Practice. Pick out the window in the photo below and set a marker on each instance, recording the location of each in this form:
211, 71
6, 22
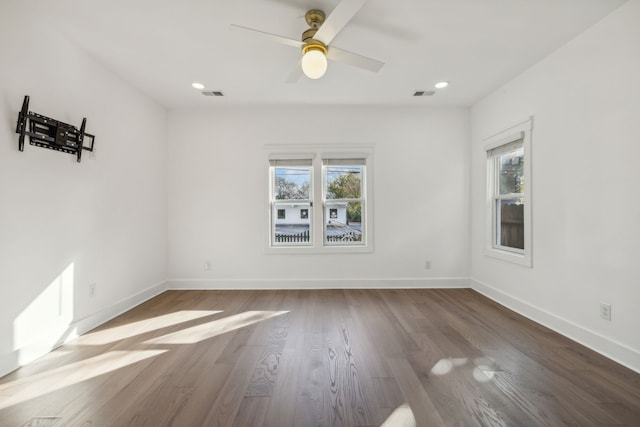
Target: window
509, 195
329, 217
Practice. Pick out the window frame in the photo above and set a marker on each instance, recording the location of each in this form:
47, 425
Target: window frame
519, 131
294, 204
318, 153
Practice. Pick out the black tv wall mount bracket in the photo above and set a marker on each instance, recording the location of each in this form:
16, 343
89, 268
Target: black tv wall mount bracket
52, 134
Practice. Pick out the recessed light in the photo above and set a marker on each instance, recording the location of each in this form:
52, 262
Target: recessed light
441, 85
197, 85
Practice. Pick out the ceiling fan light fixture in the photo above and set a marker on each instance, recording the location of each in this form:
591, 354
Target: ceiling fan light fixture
314, 61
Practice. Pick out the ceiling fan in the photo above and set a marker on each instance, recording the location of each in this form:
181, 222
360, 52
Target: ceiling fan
316, 41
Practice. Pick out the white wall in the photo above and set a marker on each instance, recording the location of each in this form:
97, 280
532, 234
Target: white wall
585, 99
65, 225
217, 160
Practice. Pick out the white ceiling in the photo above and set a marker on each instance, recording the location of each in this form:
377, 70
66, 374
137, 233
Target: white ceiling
162, 46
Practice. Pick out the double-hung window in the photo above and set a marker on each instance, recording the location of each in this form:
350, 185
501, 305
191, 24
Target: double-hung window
509, 195
332, 216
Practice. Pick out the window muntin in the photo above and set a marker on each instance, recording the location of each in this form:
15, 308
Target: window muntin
291, 193
343, 201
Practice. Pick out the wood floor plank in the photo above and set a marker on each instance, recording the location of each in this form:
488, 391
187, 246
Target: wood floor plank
207, 388
388, 396
310, 400
369, 340
229, 399
349, 400
282, 410
252, 411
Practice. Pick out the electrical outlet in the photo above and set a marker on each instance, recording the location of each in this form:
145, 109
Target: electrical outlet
427, 265
92, 290
207, 266
605, 311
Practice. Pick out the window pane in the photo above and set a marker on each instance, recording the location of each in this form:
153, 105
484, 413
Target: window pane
292, 183
294, 225
510, 223
343, 223
343, 182
511, 170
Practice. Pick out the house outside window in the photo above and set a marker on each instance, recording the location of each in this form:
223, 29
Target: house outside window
509, 195
329, 217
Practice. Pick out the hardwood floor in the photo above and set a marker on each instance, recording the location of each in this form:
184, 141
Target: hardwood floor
321, 358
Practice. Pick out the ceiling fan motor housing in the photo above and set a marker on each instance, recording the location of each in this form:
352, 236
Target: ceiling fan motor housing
314, 18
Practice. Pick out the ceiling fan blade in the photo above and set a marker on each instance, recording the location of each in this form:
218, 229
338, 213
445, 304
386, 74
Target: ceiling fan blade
273, 37
296, 73
337, 19
346, 57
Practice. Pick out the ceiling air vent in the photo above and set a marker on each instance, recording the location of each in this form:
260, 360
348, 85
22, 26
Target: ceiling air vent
212, 93
424, 93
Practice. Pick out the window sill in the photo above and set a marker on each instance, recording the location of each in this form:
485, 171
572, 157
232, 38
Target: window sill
297, 250
522, 259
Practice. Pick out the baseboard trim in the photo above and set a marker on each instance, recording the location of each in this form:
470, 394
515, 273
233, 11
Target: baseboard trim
20, 357
612, 349
277, 284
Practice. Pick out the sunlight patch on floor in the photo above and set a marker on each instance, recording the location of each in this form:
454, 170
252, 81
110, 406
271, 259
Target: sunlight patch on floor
31, 387
211, 329
444, 366
402, 416
118, 333
482, 376
485, 369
